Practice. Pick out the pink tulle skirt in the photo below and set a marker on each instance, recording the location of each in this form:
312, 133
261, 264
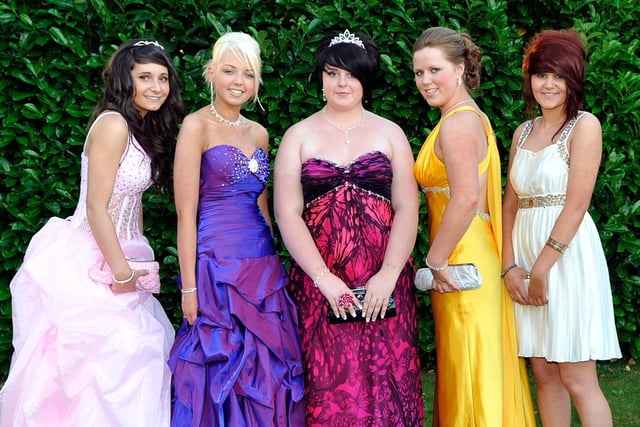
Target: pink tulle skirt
83, 356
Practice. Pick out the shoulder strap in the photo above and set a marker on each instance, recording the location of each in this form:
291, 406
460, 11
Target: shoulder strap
101, 115
528, 126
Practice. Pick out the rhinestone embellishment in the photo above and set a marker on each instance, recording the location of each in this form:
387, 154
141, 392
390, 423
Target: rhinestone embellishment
253, 166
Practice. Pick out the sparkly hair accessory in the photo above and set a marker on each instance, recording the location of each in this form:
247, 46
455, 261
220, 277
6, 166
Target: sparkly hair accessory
147, 43
347, 37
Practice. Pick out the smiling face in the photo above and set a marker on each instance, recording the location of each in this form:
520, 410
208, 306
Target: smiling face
151, 87
549, 90
436, 77
341, 88
233, 79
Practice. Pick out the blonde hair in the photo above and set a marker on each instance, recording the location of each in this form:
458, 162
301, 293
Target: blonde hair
245, 49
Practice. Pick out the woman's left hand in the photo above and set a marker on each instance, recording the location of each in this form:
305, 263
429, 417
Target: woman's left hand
379, 289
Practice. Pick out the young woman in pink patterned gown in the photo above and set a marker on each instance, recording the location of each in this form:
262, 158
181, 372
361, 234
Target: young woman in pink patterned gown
347, 207
88, 353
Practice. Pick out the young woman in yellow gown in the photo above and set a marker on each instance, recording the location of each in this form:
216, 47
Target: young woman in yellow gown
480, 380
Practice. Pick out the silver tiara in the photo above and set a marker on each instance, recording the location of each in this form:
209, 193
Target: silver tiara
347, 37
147, 43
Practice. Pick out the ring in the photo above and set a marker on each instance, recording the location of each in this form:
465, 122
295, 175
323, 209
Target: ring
528, 276
345, 300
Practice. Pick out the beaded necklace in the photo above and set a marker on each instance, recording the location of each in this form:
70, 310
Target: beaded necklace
345, 131
223, 120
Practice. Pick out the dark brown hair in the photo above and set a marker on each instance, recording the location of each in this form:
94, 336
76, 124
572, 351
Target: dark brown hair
155, 132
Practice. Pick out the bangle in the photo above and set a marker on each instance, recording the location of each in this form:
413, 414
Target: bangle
554, 244
188, 290
320, 276
508, 269
442, 267
127, 280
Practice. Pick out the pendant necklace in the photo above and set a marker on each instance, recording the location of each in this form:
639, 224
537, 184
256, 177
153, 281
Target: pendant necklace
345, 131
223, 120
457, 104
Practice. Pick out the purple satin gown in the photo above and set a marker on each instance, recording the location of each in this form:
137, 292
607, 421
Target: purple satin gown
239, 364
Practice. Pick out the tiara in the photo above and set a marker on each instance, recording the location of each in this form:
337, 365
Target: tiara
147, 43
347, 37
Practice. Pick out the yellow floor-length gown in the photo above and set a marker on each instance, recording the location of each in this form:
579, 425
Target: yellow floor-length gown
480, 381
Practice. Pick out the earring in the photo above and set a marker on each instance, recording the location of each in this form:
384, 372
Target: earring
324, 97
459, 80
211, 89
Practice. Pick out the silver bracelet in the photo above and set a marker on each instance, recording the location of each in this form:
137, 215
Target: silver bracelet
320, 276
188, 290
431, 267
120, 282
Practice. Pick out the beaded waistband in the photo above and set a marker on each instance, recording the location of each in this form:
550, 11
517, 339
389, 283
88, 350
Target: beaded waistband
541, 201
447, 191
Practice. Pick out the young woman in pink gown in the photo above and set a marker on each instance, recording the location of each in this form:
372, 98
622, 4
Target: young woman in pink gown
89, 353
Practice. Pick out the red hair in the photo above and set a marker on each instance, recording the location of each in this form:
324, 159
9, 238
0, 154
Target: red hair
561, 53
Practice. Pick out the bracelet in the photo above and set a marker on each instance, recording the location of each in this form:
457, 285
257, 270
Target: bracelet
508, 269
188, 290
320, 276
554, 244
431, 267
120, 282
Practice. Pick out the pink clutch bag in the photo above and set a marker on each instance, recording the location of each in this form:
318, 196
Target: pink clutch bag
101, 273
139, 258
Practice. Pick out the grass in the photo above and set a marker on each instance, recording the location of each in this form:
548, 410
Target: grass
619, 381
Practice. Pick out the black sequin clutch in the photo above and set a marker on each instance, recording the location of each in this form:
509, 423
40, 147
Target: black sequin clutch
359, 293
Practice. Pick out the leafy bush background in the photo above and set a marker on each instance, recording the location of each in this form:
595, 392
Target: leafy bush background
52, 53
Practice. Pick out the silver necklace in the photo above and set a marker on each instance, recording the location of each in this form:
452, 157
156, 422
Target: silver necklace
345, 131
223, 120
455, 105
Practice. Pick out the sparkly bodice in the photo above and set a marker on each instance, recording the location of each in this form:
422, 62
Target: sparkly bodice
230, 221
132, 179
544, 172
370, 172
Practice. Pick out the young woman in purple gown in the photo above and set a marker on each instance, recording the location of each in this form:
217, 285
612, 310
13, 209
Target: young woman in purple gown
236, 359
347, 207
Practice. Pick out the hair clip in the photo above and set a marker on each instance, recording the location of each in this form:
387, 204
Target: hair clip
347, 37
147, 43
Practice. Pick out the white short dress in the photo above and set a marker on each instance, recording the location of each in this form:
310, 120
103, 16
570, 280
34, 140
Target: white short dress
578, 323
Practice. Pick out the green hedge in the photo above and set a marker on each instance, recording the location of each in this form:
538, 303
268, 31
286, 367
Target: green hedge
51, 56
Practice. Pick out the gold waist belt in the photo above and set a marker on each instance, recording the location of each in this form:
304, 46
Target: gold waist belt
541, 201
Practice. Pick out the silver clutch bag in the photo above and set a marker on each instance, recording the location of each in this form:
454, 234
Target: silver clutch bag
465, 275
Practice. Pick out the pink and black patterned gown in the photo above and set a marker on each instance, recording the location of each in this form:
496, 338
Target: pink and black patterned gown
357, 373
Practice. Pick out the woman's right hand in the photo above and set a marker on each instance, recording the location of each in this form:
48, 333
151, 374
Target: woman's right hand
190, 306
130, 285
443, 282
514, 281
332, 288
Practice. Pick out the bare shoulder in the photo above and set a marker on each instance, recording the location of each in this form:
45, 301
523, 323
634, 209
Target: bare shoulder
386, 124
111, 123
463, 122
298, 130
194, 121
588, 122
257, 130
259, 135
